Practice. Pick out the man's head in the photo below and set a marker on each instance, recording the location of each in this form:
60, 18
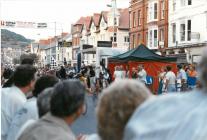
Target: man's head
43, 101
68, 99
43, 83
203, 69
179, 66
27, 60
24, 77
140, 67
116, 105
168, 68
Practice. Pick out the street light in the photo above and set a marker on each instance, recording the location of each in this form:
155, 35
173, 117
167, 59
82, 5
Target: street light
114, 18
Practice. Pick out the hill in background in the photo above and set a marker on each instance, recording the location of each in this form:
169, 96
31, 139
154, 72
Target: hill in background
13, 40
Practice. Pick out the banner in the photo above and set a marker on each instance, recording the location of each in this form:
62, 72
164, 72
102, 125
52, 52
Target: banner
22, 24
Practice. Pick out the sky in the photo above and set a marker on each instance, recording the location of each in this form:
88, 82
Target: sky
63, 12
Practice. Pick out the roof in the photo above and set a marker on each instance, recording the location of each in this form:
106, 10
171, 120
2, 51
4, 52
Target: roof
96, 18
105, 15
124, 18
87, 22
80, 21
141, 53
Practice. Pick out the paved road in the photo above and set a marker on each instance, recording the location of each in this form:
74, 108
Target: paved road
86, 124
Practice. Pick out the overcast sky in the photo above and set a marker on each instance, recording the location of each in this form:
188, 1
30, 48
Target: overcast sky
64, 12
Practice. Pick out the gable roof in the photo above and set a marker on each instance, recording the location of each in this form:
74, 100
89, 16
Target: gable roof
96, 18
80, 21
105, 15
87, 22
124, 18
141, 53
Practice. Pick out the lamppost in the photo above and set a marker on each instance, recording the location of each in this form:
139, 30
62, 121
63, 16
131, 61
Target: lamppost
114, 18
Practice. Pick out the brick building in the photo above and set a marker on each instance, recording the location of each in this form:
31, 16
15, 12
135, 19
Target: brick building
149, 23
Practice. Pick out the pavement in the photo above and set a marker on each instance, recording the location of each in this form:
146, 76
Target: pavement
87, 123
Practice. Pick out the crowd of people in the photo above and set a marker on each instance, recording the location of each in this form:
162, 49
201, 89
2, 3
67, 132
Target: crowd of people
185, 79
43, 106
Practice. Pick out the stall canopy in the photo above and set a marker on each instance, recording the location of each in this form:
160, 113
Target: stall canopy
141, 53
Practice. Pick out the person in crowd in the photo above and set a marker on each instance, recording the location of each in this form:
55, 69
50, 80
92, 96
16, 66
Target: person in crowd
29, 109
6, 75
43, 106
161, 80
118, 102
14, 97
175, 116
123, 72
92, 78
182, 77
62, 73
66, 105
127, 72
134, 73
192, 71
25, 61
118, 74
170, 80
142, 74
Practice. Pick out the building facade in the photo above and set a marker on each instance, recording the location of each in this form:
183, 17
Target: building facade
106, 29
187, 29
149, 23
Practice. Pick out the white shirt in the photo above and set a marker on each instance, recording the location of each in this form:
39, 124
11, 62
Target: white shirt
142, 75
182, 75
170, 76
170, 117
118, 75
12, 100
27, 112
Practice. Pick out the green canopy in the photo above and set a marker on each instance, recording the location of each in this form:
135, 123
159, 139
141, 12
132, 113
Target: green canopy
141, 53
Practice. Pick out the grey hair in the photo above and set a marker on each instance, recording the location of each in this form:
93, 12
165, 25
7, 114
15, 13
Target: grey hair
43, 101
117, 104
203, 69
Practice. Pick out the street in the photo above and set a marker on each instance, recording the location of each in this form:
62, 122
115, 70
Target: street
87, 123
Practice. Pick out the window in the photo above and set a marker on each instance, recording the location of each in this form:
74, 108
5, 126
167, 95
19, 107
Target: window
155, 10
163, 9
155, 38
111, 38
150, 13
146, 38
138, 38
174, 32
139, 17
114, 37
189, 30
134, 41
126, 39
182, 3
162, 35
150, 39
174, 5
189, 2
115, 21
58, 57
134, 20
146, 15
182, 32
